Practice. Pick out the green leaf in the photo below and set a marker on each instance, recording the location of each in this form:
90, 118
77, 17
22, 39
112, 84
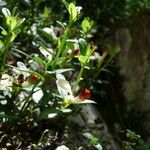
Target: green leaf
13, 36
60, 60
61, 24
72, 11
86, 25
65, 3
4, 32
11, 22
40, 61
82, 59
83, 46
28, 72
41, 44
70, 45
1, 44
46, 34
20, 22
46, 12
113, 49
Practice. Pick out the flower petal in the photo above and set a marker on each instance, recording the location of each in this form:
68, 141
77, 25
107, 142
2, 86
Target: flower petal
63, 86
78, 100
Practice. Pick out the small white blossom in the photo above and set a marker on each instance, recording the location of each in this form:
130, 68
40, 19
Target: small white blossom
6, 81
78, 8
62, 147
95, 56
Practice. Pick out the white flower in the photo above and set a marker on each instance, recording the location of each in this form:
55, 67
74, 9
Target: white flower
95, 56
34, 28
65, 91
78, 8
63, 147
48, 53
6, 81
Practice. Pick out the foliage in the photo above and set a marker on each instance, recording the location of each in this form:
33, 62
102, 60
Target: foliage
49, 66
50, 81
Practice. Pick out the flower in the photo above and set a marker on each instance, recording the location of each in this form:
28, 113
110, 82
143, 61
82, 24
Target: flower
65, 92
62, 147
85, 94
5, 81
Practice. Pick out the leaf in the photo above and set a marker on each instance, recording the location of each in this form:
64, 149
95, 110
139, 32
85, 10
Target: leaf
4, 32
49, 33
72, 11
61, 24
70, 45
13, 36
86, 25
113, 49
83, 46
40, 61
20, 22
65, 3
46, 12
60, 60
26, 72
11, 22
98, 146
1, 44
37, 95
82, 59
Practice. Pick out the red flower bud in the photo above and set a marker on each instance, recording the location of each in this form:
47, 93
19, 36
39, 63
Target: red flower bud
20, 78
76, 52
32, 79
85, 94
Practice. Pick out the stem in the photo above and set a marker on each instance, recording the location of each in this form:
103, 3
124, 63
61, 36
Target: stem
63, 42
24, 107
100, 64
4, 54
81, 72
42, 136
78, 79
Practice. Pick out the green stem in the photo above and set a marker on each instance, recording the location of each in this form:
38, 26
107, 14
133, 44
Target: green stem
99, 68
25, 105
78, 79
42, 136
4, 53
62, 46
